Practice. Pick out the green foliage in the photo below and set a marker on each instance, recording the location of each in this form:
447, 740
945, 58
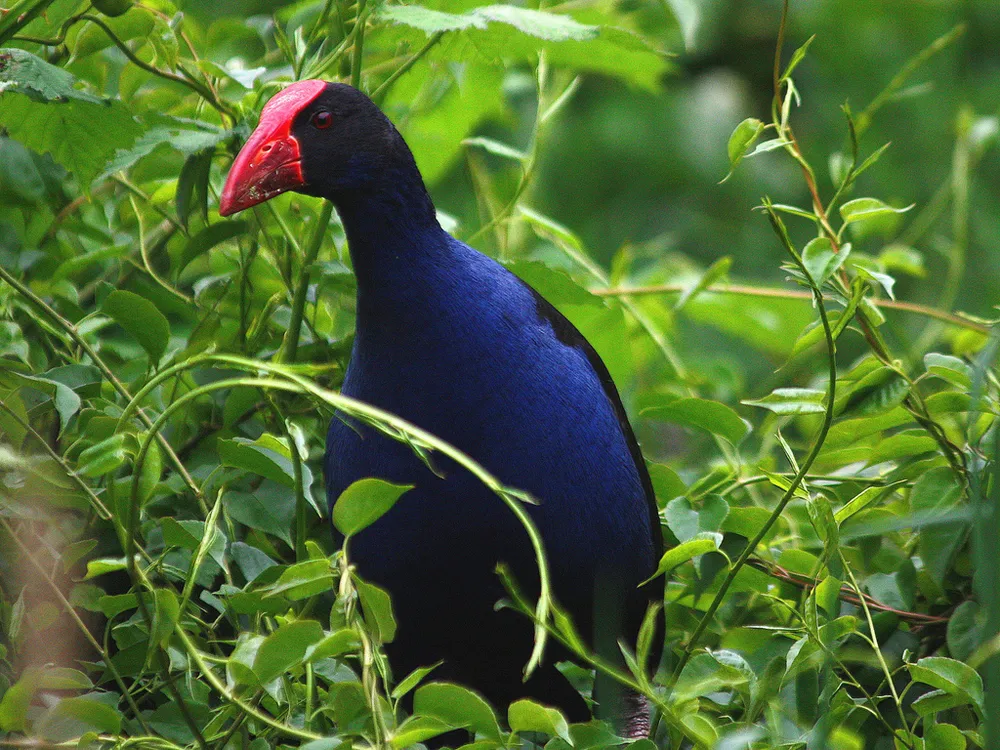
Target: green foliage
824, 454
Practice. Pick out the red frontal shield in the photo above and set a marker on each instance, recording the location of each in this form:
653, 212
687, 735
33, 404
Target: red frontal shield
270, 162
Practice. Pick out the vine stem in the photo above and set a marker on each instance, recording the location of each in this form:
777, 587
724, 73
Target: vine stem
78, 339
390, 424
800, 475
384, 87
759, 291
291, 343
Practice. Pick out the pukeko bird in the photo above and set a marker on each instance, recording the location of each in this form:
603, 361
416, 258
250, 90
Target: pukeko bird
450, 340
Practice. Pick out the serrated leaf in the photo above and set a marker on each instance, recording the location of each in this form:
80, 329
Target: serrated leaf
184, 136
24, 73
141, 319
80, 135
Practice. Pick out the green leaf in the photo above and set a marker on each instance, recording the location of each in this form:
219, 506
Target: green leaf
936, 493
72, 717
378, 609
104, 457
24, 73
820, 259
944, 737
555, 285
527, 716
208, 238
429, 21
716, 271
165, 614
953, 677
413, 679
792, 401
266, 457
666, 483
688, 16
936, 701
303, 580
65, 399
868, 208
705, 674
458, 707
141, 319
877, 391
686, 522
862, 500
743, 137
343, 641
184, 136
966, 630
551, 27
80, 135
16, 700
708, 415
192, 186
699, 544
418, 729
364, 502
270, 509
285, 648
949, 368
797, 57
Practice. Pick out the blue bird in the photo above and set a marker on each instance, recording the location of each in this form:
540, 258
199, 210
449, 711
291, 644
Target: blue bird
452, 341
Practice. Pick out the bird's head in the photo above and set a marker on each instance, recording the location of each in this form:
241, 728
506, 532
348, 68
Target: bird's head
316, 138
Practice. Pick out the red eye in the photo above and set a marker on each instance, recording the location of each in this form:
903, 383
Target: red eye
321, 119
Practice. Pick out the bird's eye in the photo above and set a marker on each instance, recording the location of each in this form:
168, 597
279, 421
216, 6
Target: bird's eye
321, 119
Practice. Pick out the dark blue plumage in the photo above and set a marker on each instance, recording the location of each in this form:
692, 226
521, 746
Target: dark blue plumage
450, 340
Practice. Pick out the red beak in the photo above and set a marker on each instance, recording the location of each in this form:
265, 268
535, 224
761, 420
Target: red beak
270, 162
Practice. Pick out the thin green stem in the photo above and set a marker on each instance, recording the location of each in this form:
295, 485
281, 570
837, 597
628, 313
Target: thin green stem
384, 421
760, 291
384, 87
357, 60
72, 331
220, 687
290, 346
800, 475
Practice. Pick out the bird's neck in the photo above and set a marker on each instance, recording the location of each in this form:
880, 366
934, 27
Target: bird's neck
394, 237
